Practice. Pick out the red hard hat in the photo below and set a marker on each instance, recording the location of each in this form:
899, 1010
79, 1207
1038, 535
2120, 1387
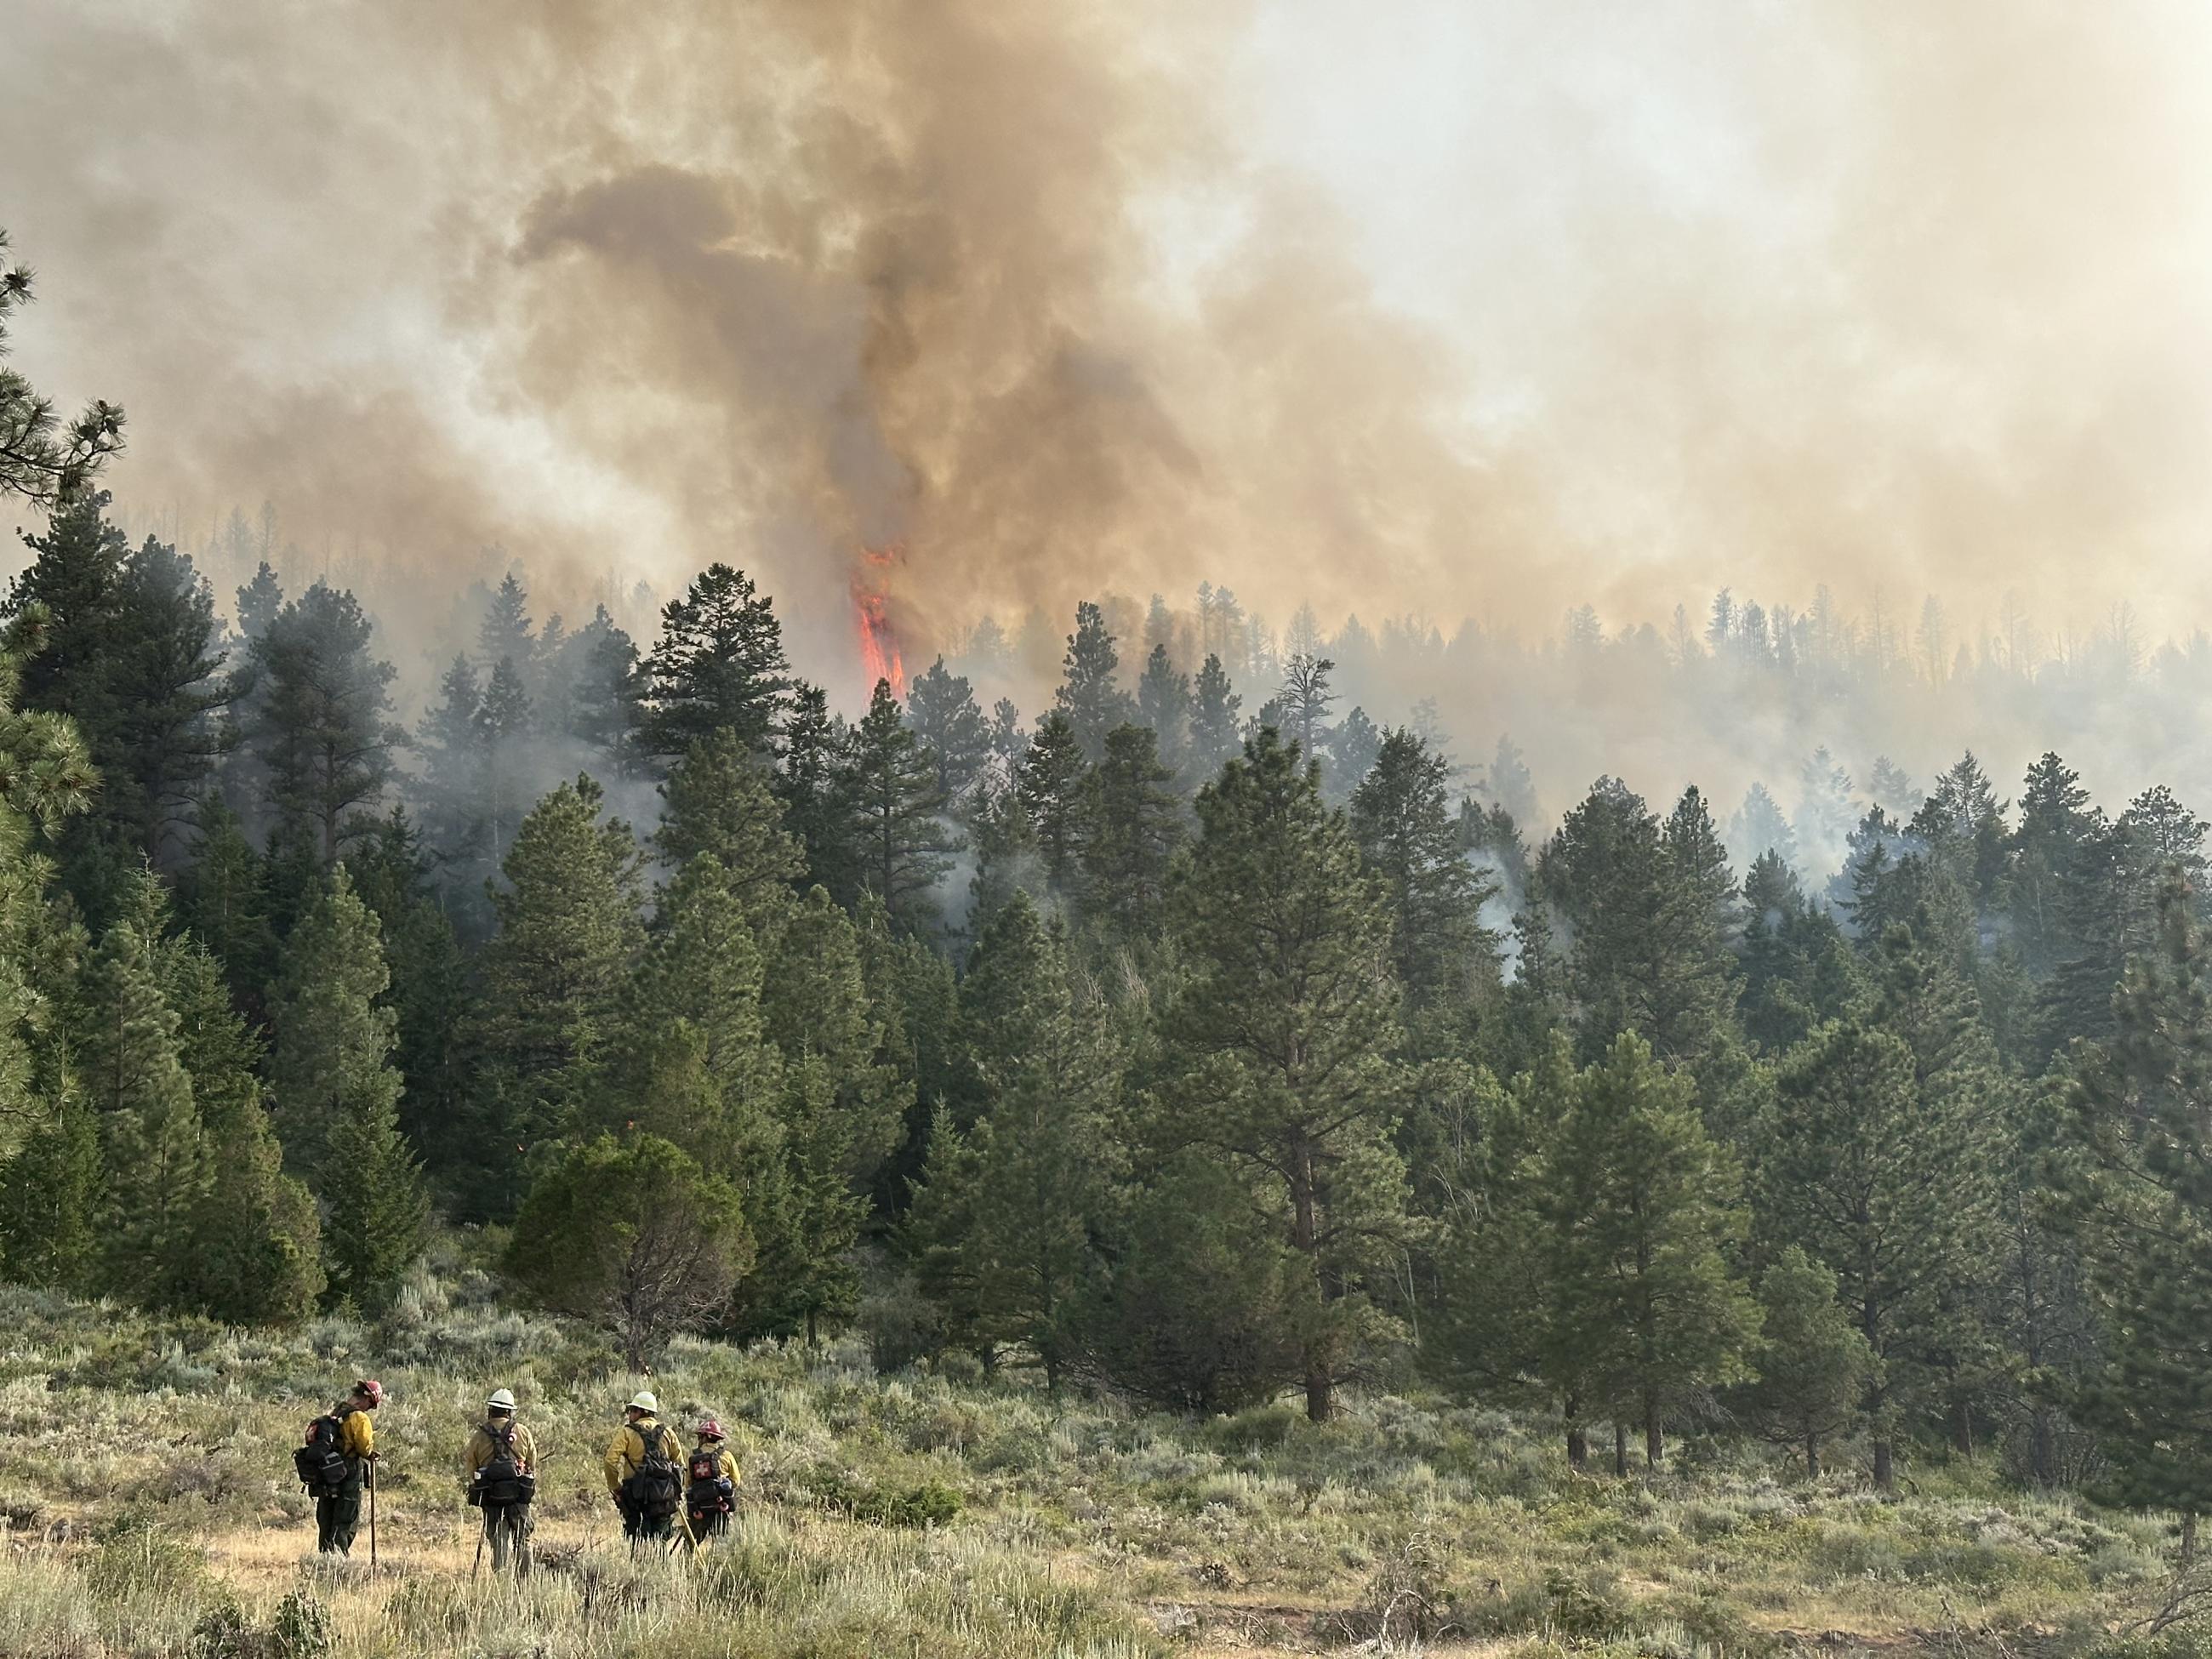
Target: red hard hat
370, 1389
711, 1430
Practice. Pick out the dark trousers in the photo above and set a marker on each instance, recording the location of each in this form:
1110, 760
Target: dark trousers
707, 1521
337, 1517
507, 1529
637, 1525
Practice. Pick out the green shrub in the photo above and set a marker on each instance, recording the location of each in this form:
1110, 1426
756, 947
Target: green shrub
1256, 1429
223, 1631
137, 1560
303, 1628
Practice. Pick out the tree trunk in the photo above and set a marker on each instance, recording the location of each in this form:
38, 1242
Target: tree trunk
2043, 1449
1321, 1392
1305, 1238
813, 1330
1620, 1450
1654, 1437
1884, 1463
1962, 1428
1577, 1436
1812, 1456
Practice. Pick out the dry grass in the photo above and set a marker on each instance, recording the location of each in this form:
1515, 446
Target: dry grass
145, 1488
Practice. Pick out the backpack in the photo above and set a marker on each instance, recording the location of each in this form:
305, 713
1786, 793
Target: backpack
500, 1481
705, 1467
322, 1468
655, 1490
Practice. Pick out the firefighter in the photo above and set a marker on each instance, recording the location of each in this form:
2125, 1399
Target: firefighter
338, 1510
710, 1485
500, 1464
644, 1467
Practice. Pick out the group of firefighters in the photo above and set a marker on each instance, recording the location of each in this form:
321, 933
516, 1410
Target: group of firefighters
664, 1493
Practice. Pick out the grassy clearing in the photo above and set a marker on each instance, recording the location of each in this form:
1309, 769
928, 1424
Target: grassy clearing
146, 1491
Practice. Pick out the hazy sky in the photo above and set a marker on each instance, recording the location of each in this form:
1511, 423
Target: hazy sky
1395, 305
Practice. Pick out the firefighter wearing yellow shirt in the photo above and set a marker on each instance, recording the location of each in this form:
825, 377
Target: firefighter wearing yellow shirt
710, 1485
500, 1464
644, 1466
338, 1511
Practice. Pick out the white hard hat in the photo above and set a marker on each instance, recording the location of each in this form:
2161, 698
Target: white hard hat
502, 1400
644, 1401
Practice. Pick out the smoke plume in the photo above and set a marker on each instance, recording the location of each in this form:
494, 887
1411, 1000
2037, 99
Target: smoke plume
1405, 308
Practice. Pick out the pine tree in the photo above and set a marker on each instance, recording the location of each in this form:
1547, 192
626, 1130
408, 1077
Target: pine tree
1163, 703
1215, 723
952, 731
1006, 861
1536, 1005
1037, 1171
722, 803
1799, 971
1813, 1363
843, 1102
1439, 948
1870, 1179
258, 603
1701, 922
937, 1236
506, 634
593, 694
334, 1034
1201, 1308
1088, 698
1050, 785
222, 899
51, 1202
2136, 1201
432, 993
814, 785
1649, 907
1891, 789
1000, 1001
38, 462
1281, 1038
1759, 828
1306, 699
1641, 1210
718, 664
693, 1064
256, 1253
568, 934
1510, 785
451, 739
1133, 823
904, 845
127, 650
1501, 1327
46, 778
338, 1095
319, 727
1354, 749
506, 752
133, 1075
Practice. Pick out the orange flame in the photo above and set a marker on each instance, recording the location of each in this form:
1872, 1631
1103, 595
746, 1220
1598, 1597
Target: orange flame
879, 648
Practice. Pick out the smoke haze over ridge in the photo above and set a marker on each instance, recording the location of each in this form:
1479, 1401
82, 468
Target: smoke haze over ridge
1405, 308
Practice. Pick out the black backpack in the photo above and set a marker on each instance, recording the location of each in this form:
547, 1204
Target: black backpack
322, 1468
705, 1467
500, 1480
656, 1489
